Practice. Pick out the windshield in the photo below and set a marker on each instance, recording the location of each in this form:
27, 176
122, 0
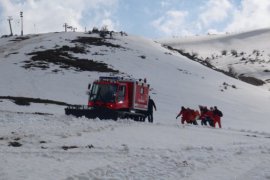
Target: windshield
103, 92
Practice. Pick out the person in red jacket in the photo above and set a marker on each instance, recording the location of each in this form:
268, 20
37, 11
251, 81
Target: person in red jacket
191, 116
151, 106
188, 116
206, 116
184, 114
217, 115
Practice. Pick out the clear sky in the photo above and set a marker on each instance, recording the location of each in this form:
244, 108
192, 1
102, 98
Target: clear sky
149, 18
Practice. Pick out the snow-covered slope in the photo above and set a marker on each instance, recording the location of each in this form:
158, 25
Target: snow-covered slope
55, 146
175, 80
246, 54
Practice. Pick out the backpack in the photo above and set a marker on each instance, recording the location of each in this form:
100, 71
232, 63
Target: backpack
220, 113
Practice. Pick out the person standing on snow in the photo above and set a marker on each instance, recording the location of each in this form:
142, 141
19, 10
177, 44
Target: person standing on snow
183, 112
196, 115
210, 116
206, 116
217, 115
151, 106
203, 110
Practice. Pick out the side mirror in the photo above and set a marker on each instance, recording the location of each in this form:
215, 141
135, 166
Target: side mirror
88, 92
89, 86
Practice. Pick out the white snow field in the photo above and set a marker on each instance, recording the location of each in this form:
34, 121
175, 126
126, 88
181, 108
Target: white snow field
40, 142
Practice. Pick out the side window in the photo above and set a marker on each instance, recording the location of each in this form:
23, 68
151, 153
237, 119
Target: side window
121, 93
94, 92
142, 90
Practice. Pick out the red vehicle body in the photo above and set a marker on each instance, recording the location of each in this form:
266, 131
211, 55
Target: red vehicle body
114, 97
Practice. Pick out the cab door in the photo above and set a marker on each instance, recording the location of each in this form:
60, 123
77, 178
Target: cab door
122, 99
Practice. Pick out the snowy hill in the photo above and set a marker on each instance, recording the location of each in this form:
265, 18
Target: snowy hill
244, 55
58, 67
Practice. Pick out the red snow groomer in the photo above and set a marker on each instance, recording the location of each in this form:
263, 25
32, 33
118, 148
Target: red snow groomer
113, 98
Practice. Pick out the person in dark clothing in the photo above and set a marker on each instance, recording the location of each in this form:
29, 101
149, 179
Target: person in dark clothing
217, 116
206, 116
188, 115
210, 117
151, 106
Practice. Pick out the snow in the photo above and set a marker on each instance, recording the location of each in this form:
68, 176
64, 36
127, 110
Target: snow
126, 149
252, 48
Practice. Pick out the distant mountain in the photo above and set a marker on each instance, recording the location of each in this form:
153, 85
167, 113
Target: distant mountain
245, 56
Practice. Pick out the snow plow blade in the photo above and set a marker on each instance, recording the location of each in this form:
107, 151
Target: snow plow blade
91, 113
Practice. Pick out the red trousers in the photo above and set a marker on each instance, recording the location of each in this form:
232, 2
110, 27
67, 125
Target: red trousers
217, 120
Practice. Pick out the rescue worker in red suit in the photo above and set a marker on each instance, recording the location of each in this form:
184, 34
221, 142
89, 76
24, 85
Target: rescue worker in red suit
184, 114
203, 110
217, 115
191, 116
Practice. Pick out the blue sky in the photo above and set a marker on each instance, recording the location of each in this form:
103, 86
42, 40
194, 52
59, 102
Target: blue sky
149, 18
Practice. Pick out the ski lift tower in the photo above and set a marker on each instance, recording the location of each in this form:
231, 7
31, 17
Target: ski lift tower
21, 15
9, 21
